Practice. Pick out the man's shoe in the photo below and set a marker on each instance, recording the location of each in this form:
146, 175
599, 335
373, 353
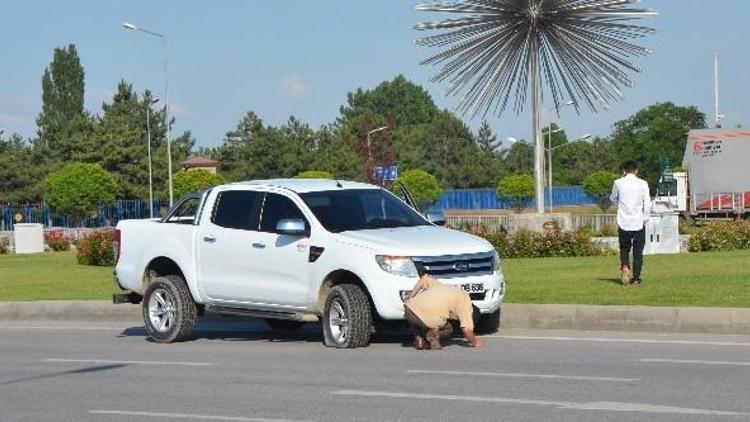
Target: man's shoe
433, 338
635, 281
625, 275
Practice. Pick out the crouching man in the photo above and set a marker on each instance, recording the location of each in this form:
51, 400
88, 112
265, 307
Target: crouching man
429, 307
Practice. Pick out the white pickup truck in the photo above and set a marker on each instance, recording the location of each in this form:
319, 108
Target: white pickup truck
294, 251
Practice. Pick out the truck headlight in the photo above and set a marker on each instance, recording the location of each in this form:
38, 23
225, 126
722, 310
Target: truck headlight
496, 260
397, 265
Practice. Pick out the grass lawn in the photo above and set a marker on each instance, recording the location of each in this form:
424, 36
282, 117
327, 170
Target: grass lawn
705, 279
52, 276
700, 279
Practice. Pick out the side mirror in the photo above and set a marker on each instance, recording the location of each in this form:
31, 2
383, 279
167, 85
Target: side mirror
292, 227
436, 217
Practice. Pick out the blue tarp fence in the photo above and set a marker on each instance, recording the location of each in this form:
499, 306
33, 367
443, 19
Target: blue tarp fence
106, 215
481, 199
109, 215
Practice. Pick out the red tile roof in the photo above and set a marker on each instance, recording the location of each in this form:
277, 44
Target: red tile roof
199, 162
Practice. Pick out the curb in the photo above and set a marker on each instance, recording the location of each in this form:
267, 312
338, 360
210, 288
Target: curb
79, 311
571, 317
628, 318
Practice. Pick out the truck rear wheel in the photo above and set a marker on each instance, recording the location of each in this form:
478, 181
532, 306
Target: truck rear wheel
168, 309
347, 318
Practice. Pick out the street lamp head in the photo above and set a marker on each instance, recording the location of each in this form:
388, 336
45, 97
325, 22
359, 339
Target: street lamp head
584, 137
512, 140
570, 103
377, 130
129, 25
154, 100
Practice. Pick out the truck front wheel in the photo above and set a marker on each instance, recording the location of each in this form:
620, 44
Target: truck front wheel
488, 323
168, 309
347, 318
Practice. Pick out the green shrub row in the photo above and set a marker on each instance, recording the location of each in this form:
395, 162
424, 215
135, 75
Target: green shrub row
553, 242
724, 236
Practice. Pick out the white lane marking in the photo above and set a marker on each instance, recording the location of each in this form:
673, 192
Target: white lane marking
127, 362
624, 340
601, 405
38, 327
697, 362
186, 416
517, 375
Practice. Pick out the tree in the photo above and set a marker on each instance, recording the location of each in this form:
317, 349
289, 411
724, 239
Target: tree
78, 189
185, 182
518, 189
487, 141
64, 126
423, 187
519, 159
598, 185
314, 174
17, 173
256, 151
654, 133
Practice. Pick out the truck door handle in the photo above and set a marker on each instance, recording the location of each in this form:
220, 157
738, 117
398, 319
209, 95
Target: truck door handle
209, 239
258, 245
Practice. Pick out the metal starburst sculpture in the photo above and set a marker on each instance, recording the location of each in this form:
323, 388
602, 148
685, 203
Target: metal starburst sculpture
497, 49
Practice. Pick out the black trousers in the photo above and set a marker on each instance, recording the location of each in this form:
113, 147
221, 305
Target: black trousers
418, 327
635, 240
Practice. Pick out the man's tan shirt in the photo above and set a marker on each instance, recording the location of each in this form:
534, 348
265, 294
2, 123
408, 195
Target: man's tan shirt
439, 302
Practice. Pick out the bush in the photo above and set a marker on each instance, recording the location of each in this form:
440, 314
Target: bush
77, 189
96, 248
598, 185
723, 236
4, 248
519, 190
553, 242
314, 174
57, 241
423, 186
186, 182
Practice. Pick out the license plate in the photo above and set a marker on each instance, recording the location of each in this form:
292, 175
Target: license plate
473, 288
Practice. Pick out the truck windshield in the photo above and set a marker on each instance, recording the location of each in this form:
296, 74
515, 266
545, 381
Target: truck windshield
360, 209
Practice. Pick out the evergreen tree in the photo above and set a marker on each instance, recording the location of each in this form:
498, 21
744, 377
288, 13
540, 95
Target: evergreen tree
64, 127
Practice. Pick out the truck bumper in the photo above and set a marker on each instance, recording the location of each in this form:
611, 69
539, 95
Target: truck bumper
392, 289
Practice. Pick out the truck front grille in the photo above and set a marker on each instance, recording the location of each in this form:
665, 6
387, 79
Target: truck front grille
452, 266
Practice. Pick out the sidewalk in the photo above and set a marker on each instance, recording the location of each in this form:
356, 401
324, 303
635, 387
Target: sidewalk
573, 317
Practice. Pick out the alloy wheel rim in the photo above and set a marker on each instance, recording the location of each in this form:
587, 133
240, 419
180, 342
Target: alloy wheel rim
161, 310
338, 321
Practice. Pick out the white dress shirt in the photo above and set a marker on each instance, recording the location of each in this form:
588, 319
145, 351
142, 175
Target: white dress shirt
633, 200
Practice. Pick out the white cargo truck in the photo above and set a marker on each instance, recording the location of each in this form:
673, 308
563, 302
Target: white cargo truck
716, 183
292, 251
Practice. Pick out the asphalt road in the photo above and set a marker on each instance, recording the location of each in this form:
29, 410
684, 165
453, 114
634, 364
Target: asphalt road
237, 370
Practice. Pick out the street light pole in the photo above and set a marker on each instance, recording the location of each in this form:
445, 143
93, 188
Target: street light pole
549, 158
549, 164
369, 145
150, 172
163, 38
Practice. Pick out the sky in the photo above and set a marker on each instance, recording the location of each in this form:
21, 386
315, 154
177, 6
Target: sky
301, 57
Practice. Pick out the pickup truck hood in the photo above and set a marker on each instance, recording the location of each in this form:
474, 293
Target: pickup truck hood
416, 241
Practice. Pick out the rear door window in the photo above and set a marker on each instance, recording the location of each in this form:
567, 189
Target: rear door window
238, 209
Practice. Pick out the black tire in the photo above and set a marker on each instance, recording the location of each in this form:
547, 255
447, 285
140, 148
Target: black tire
347, 317
179, 313
488, 323
283, 324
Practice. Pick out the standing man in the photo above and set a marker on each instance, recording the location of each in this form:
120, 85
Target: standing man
633, 200
428, 308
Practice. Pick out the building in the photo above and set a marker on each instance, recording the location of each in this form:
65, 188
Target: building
200, 163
